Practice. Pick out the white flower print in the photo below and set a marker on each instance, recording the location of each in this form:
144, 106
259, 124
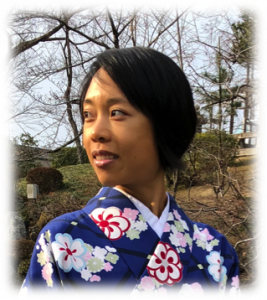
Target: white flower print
174, 240
170, 217
140, 225
110, 249
174, 229
216, 268
86, 274
165, 265
184, 224
47, 249
100, 252
208, 247
131, 223
41, 240
110, 221
68, 252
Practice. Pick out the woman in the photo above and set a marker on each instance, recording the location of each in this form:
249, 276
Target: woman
138, 119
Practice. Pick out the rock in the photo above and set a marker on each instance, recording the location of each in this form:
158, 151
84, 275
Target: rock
34, 235
11, 279
16, 226
73, 198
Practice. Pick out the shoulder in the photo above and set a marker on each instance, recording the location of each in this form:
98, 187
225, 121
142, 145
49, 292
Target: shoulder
65, 223
213, 239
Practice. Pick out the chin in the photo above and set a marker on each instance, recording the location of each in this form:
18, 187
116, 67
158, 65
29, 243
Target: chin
107, 181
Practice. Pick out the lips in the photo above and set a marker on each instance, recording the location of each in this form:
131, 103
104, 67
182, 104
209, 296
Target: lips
103, 153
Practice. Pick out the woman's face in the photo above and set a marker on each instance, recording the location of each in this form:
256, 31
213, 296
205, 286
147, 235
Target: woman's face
118, 138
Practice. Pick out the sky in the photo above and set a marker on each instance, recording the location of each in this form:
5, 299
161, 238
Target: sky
15, 129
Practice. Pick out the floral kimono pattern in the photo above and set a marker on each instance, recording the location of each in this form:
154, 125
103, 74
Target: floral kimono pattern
108, 243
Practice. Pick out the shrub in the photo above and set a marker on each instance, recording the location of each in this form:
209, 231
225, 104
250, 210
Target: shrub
47, 179
67, 157
200, 159
24, 267
19, 249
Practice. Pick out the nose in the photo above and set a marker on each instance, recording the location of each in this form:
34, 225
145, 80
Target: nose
100, 130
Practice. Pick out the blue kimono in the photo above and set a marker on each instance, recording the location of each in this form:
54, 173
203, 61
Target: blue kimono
109, 244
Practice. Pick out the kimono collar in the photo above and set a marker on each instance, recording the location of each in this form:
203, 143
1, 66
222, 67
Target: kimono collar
157, 224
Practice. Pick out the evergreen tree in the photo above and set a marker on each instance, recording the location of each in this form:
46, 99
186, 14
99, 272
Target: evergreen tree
243, 43
243, 54
25, 150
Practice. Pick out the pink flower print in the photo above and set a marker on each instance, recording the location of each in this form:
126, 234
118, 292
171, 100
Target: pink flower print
197, 289
167, 227
147, 283
235, 281
206, 233
108, 267
95, 278
110, 221
87, 256
130, 213
196, 236
162, 292
181, 239
165, 265
47, 271
177, 216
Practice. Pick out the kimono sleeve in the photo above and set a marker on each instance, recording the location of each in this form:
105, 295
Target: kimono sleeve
43, 272
232, 284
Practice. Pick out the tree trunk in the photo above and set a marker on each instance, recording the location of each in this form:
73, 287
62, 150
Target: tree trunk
246, 109
220, 103
232, 117
67, 97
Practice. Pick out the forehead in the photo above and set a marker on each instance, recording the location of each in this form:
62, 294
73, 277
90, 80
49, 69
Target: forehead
102, 86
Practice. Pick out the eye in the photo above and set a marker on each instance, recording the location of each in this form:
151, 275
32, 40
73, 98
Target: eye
87, 112
119, 111
87, 115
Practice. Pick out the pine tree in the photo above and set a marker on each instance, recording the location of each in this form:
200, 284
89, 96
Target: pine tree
243, 54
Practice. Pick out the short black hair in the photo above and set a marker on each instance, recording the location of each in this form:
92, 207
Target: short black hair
155, 85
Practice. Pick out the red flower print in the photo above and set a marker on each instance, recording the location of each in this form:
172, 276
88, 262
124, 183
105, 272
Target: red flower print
165, 265
110, 221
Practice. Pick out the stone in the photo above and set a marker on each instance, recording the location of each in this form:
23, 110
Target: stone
14, 227
73, 198
34, 235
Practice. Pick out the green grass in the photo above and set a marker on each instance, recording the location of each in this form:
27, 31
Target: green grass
79, 181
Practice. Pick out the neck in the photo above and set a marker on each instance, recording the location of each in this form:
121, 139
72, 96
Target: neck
154, 198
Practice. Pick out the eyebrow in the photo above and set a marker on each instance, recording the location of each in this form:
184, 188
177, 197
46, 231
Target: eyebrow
110, 101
